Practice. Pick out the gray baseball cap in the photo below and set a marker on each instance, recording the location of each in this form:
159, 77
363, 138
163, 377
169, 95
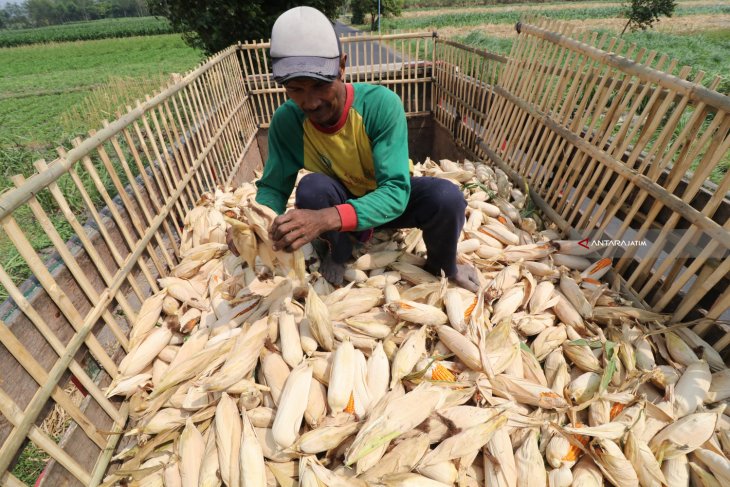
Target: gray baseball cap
304, 44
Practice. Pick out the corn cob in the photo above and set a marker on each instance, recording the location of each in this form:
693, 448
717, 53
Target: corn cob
683, 436
691, 389
530, 469
342, 377
291, 409
410, 351
320, 325
228, 439
191, 448
140, 357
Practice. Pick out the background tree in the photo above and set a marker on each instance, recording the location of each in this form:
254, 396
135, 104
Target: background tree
361, 8
212, 26
38, 13
641, 14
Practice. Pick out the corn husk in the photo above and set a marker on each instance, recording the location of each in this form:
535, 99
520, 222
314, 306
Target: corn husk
251, 461
676, 471
409, 353
318, 318
420, 313
530, 469
718, 464
586, 473
645, 464
683, 436
691, 389
612, 462
543, 360
228, 439
342, 375
401, 459
291, 408
191, 448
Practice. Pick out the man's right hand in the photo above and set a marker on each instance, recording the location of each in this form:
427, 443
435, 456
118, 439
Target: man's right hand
296, 228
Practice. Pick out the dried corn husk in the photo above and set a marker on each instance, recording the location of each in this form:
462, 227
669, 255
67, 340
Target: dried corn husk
519, 350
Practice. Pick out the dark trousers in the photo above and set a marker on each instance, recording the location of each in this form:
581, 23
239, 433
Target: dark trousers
436, 206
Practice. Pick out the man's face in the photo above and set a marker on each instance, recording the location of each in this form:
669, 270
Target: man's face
320, 100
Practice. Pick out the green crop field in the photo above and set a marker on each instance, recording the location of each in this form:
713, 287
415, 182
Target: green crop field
53, 92
80, 31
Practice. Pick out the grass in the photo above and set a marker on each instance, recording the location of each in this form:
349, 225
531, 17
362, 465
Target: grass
463, 19
51, 93
80, 31
31, 463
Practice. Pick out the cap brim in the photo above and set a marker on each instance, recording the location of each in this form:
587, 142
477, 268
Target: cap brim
325, 69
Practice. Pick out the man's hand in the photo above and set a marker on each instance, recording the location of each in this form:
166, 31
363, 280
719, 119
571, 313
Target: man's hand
466, 276
296, 228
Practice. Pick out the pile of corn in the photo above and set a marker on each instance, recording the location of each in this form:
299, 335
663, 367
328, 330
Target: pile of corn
252, 370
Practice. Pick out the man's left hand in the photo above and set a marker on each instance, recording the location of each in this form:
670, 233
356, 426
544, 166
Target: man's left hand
296, 228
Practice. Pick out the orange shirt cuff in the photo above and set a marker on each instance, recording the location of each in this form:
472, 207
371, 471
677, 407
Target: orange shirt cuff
348, 217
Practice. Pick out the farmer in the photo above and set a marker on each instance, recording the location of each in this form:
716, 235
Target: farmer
354, 139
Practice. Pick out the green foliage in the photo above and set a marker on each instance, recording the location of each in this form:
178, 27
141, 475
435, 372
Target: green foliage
39, 13
84, 31
213, 26
31, 463
362, 8
641, 14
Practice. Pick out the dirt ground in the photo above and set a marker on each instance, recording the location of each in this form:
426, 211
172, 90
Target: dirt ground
673, 25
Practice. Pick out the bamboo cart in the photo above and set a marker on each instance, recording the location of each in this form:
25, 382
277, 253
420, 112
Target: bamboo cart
608, 139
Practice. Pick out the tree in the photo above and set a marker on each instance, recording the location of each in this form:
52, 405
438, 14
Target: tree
641, 14
361, 8
212, 26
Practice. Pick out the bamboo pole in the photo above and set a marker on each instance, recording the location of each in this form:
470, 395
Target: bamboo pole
117, 217
697, 93
587, 85
9, 480
193, 141
36, 265
162, 190
162, 154
671, 201
576, 174
71, 263
157, 164
102, 463
15, 416
658, 148
37, 403
57, 346
648, 130
37, 372
671, 185
140, 200
88, 245
128, 206
616, 144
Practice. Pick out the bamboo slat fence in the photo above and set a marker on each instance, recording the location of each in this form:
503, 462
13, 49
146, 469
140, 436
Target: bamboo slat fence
158, 159
402, 62
612, 144
607, 138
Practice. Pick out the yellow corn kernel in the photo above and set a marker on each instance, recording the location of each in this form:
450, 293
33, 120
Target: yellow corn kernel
440, 372
350, 408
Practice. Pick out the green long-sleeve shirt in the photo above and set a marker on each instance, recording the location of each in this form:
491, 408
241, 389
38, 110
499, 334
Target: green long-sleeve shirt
367, 152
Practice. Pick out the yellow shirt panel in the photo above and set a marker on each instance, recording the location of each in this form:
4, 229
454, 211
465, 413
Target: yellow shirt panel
345, 155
